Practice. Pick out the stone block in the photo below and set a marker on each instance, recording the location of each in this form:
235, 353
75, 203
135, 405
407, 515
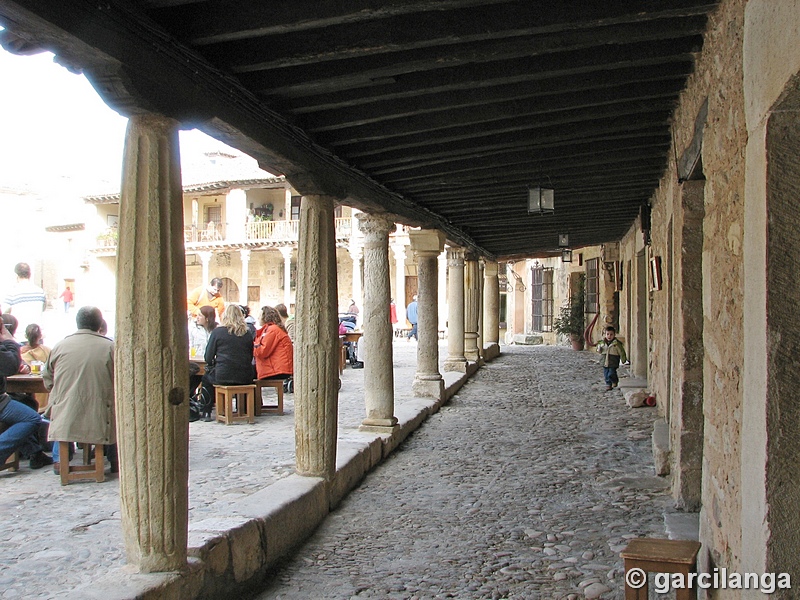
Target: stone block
247, 551
527, 339
635, 398
661, 447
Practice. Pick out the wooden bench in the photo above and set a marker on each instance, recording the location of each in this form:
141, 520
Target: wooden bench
659, 556
87, 470
259, 405
12, 462
245, 397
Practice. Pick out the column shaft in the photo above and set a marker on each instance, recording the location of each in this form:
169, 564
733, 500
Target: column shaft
151, 358
245, 256
427, 246
377, 340
471, 308
456, 360
491, 310
316, 367
286, 252
400, 284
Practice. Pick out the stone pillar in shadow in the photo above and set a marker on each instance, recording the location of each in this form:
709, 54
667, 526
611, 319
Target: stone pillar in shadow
151, 356
455, 360
427, 246
378, 335
316, 367
472, 307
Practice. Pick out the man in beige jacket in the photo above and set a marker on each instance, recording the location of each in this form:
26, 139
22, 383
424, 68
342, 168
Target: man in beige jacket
80, 377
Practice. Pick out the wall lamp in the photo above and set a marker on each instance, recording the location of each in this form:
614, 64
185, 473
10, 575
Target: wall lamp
566, 255
540, 201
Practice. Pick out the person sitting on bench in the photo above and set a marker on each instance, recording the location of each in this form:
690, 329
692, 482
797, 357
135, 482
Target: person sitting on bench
272, 347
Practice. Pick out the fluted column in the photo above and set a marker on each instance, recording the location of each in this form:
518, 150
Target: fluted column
316, 367
400, 284
471, 308
286, 253
442, 260
245, 257
491, 310
205, 259
427, 246
377, 340
456, 361
151, 356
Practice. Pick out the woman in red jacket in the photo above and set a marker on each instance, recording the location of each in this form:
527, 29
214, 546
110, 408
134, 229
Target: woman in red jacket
272, 347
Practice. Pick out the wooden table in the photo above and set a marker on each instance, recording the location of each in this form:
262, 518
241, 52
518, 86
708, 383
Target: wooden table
29, 384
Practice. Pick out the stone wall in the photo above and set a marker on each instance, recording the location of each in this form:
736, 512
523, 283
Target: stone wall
717, 78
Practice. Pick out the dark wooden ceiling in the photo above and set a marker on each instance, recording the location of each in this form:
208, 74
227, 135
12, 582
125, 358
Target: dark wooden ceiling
440, 113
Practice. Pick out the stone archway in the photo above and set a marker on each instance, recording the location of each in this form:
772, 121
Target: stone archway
783, 334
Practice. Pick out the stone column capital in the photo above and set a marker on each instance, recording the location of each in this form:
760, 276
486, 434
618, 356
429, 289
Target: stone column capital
427, 240
455, 256
205, 257
244, 254
286, 252
371, 225
490, 268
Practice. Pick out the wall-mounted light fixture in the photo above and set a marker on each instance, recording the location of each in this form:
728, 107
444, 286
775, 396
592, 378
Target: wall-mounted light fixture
566, 255
563, 240
540, 201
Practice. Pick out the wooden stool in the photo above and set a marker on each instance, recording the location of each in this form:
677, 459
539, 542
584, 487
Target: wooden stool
659, 556
244, 394
87, 470
12, 462
260, 406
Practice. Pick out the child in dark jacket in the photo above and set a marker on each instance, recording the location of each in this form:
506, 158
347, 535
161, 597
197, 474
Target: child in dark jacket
613, 354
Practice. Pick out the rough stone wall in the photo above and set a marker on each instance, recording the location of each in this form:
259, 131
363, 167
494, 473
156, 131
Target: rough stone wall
718, 77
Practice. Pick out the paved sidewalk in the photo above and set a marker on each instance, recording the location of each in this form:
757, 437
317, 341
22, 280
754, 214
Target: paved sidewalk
54, 539
526, 485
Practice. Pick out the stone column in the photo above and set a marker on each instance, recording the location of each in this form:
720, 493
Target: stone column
471, 308
245, 256
316, 367
151, 356
443, 291
400, 284
427, 246
456, 361
491, 310
195, 218
205, 259
377, 340
286, 252
481, 279
356, 252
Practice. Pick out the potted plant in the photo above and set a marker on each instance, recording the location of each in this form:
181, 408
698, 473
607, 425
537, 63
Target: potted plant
571, 319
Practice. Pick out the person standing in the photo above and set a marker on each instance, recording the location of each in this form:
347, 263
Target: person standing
207, 296
411, 315
26, 300
613, 354
80, 376
67, 297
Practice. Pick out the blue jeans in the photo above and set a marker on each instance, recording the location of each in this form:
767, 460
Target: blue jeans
23, 424
610, 374
413, 332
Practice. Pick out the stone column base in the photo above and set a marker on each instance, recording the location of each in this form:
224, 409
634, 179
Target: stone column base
428, 388
457, 366
386, 426
472, 355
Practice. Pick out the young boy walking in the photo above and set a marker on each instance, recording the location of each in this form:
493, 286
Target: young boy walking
613, 354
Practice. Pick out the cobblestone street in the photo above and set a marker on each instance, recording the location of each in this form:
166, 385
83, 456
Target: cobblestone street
527, 484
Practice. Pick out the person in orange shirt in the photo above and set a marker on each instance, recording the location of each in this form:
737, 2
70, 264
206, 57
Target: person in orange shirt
207, 296
272, 347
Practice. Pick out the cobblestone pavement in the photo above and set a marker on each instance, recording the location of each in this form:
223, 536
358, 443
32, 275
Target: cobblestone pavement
527, 484
54, 538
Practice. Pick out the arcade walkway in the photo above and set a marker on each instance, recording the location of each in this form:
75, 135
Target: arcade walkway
525, 485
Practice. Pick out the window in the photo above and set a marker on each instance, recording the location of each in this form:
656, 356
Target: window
593, 285
542, 296
295, 216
